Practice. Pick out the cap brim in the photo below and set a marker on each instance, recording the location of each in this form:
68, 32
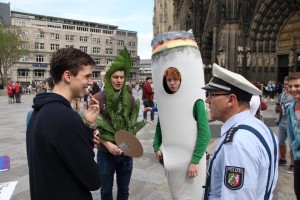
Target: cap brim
209, 87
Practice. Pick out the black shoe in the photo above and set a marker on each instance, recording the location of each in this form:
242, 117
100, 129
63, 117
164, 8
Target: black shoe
282, 162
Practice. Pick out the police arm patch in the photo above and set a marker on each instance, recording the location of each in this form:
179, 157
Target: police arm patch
234, 177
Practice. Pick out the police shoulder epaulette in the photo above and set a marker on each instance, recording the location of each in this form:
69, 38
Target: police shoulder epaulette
229, 134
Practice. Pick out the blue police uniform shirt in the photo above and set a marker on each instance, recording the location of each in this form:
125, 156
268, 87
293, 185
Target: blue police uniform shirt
240, 169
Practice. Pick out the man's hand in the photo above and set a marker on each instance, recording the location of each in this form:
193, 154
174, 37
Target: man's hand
91, 113
158, 155
147, 109
96, 139
277, 108
112, 148
193, 170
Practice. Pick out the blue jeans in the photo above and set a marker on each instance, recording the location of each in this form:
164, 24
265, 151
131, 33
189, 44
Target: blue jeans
148, 103
282, 133
108, 165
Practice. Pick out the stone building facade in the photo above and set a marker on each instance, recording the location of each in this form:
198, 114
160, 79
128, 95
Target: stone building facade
256, 38
46, 34
145, 69
164, 17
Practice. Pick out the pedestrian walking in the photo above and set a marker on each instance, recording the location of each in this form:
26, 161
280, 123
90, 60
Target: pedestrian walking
147, 98
10, 93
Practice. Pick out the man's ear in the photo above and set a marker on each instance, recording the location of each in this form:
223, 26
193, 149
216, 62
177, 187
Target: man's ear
232, 99
67, 76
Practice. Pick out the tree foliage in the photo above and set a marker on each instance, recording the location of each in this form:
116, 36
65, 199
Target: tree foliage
11, 49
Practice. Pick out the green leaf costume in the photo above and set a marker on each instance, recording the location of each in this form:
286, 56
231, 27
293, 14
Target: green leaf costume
118, 103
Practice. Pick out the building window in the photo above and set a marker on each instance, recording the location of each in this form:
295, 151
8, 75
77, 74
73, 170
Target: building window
98, 61
96, 49
272, 69
108, 42
24, 45
131, 44
96, 40
39, 35
69, 27
95, 30
54, 36
23, 72
132, 53
120, 42
118, 51
83, 48
260, 69
54, 47
109, 51
39, 73
130, 76
23, 58
83, 38
81, 28
133, 63
39, 58
69, 46
70, 37
108, 61
108, 32
39, 45
96, 74
24, 33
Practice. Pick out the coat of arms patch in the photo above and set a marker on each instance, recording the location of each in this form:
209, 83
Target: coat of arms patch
234, 177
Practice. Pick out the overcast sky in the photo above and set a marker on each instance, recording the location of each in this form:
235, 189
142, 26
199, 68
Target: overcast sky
133, 15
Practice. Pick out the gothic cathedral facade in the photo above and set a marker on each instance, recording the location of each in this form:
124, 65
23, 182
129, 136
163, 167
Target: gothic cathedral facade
256, 38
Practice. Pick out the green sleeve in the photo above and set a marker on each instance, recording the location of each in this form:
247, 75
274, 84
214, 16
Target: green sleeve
203, 131
157, 137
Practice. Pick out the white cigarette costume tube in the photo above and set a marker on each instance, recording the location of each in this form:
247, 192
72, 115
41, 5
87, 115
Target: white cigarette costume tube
178, 126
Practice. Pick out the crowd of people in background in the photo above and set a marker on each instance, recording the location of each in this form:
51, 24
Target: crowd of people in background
14, 91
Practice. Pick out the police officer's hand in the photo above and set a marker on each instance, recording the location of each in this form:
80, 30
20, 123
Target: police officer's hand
91, 112
193, 170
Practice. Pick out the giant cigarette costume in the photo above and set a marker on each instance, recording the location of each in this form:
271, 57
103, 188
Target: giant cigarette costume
178, 127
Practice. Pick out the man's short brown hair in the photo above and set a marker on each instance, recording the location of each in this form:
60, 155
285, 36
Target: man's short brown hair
295, 75
70, 59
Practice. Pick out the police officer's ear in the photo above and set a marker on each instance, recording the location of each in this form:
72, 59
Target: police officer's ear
232, 99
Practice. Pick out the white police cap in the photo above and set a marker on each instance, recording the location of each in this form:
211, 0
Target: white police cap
231, 82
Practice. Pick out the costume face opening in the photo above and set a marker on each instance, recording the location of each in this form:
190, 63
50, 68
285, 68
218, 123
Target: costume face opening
117, 80
171, 80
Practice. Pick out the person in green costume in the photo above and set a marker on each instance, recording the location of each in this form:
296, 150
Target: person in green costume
118, 111
172, 80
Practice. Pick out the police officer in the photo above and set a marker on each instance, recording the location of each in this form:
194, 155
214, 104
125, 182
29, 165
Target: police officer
245, 162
